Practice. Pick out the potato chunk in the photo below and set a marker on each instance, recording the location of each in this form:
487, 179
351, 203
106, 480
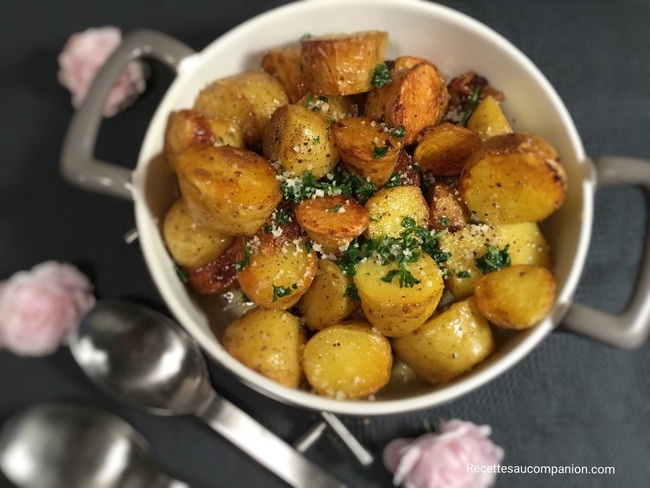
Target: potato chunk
230, 190
347, 361
395, 308
448, 345
444, 148
488, 119
389, 206
220, 274
326, 302
299, 140
330, 108
447, 211
332, 221
270, 342
513, 178
516, 297
285, 64
342, 64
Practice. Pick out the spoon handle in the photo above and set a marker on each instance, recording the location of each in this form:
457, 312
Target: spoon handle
264, 446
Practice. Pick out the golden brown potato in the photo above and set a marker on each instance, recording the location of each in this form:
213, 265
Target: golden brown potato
516, 297
220, 274
190, 127
249, 98
446, 209
488, 119
526, 243
393, 307
300, 141
285, 64
367, 148
347, 361
327, 301
448, 345
416, 99
330, 108
188, 243
513, 178
389, 206
342, 64
402, 64
332, 221
444, 148
231, 190
277, 272
270, 342
405, 172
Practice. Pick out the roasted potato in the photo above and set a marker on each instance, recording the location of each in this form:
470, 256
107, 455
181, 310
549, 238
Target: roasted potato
488, 119
447, 211
330, 108
516, 297
332, 221
347, 361
232, 191
249, 98
513, 178
415, 99
367, 148
327, 301
389, 206
220, 274
444, 148
299, 140
277, 271
342, 64
285, 64
526, 243
394, 307
190, 127
448, 345
189, 243
270, 342
405, 172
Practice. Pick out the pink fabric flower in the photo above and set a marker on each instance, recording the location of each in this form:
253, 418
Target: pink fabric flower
460, 456
39, 307
82, 57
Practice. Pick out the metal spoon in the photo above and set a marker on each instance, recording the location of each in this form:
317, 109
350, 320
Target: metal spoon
55, 445
144, 358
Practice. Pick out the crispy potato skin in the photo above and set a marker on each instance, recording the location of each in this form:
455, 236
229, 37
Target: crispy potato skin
299, 140
249, 98
444, 148
285, 64
516, 297
342, 65
188, 243
220, 274
416, 99
488, 119
325, 303
270, 342
394, 310
230, 190
332, 221
366, 148
407, 173
448, 345
389, 206
513, 178
348, 361
446, 209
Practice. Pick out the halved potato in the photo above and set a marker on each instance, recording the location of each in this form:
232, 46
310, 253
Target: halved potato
389, 206
285, 64
330, 108
513, 178
447, 211
393, 307
448, 345
270, 342
300, 141
444, 148
332, 221
488, 119
327, 302
342, 64
347, 361
230, 190
517, 297
218, 275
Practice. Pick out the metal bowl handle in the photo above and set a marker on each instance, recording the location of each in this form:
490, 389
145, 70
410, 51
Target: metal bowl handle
630, 328
78, 163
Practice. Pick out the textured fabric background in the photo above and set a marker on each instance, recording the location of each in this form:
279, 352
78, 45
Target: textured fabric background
572, 401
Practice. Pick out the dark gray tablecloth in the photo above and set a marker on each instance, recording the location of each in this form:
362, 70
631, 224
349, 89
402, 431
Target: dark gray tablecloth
571, 402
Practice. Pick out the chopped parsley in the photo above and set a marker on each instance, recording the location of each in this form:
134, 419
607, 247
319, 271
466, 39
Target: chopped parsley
281, 291
340, 182
394, 180
463, 274
494, 259
398, 132
182, 275
315, 104
245, 261
336, 208
352, 292
405, 277
316, 140
444, 221
379, 151
281, 216
381, 76
473, 102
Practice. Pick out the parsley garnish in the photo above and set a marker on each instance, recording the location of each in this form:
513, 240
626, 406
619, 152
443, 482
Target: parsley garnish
379, 151
493, 260
315, 104
394, 180
405, 277
281, 291
340, 182
244, 262
398, 132
281, 216
381, 76
473, 102
444, 221
316, 140
336, 208
463, 274
182, 275
352, 292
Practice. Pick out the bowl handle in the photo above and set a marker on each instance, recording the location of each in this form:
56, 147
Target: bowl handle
78, 164
630, 328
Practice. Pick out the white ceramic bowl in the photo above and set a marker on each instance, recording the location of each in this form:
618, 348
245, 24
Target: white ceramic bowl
455, 43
